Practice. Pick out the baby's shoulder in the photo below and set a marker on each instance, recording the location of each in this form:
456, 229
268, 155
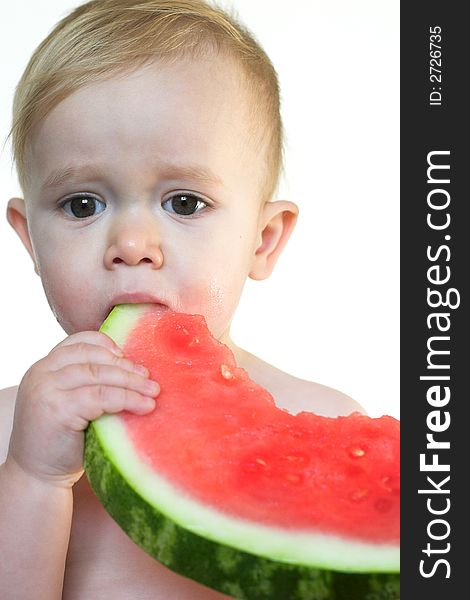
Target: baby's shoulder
296, 395
7, 409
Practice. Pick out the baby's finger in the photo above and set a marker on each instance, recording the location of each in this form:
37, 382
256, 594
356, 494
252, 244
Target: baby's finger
83, 352
92, 402
91, 337
76, 376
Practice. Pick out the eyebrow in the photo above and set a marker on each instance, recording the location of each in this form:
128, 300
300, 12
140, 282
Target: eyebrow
69, 173
167, 170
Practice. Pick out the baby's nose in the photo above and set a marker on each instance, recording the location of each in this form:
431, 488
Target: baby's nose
133, 246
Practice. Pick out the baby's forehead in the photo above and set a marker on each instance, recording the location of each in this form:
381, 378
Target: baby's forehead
205, 101
90, 43
193, 117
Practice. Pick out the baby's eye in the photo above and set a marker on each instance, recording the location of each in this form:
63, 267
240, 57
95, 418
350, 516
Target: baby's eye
184, 204
83, 206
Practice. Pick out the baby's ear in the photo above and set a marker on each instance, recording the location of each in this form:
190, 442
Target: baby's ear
276, 224
16, 215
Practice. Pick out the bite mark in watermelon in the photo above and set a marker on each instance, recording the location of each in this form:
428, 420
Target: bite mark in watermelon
222, 486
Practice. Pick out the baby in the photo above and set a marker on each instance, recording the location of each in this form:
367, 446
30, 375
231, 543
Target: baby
148, 143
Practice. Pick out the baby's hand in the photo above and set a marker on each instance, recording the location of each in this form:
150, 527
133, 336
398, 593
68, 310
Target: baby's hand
79, 380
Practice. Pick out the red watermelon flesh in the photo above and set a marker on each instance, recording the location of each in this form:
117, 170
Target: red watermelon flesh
219, 437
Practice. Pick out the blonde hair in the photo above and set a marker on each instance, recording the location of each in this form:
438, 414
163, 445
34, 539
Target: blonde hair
104, 37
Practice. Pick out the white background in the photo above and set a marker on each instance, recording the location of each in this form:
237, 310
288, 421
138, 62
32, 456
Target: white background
330, 312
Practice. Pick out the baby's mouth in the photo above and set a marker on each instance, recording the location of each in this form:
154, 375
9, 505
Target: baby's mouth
135, 298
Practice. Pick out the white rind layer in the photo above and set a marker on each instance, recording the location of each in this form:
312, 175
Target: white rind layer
288, 546
121, 320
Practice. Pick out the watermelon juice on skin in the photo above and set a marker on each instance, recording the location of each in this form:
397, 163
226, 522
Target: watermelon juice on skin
265, 503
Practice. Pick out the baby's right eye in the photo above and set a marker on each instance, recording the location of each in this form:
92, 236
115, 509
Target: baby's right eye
83, 206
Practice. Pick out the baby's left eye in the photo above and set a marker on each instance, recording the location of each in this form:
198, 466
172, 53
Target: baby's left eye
184, 204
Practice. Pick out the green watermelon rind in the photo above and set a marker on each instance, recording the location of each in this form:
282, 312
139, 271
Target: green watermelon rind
230, 570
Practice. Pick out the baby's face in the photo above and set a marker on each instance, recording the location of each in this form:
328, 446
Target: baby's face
146, 188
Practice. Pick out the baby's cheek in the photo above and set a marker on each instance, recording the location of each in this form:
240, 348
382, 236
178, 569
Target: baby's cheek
216, 299
71, 298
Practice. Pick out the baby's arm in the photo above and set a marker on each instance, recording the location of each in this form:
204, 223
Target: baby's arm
82, 378
35, 521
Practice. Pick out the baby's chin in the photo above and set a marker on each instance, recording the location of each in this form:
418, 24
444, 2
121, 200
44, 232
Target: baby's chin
76, 323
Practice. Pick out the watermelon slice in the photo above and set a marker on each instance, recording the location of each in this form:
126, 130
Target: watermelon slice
224, 487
